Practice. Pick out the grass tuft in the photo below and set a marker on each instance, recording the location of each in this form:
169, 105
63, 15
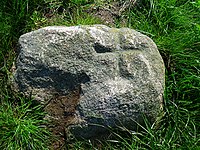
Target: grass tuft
22, 126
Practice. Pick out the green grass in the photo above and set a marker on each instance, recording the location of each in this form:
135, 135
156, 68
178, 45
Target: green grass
22, 126
174, 25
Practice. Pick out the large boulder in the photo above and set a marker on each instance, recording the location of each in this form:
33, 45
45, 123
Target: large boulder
91, 77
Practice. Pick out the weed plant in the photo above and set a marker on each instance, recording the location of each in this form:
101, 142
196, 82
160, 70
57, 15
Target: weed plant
174, 25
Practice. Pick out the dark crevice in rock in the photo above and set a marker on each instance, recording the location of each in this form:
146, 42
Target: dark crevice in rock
83, 77
101, 48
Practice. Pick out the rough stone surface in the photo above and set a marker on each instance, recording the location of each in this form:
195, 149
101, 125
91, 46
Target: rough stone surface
91, 76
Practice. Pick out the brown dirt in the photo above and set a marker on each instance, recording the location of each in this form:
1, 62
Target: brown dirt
61, 112
109, 13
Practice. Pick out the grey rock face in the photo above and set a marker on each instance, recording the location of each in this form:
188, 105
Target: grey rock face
95, 75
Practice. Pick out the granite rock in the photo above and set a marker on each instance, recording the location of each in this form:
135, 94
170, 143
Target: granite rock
91, 77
